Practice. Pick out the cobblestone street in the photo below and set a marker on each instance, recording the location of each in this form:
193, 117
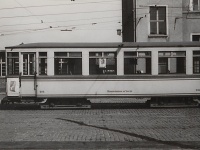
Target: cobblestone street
117, 128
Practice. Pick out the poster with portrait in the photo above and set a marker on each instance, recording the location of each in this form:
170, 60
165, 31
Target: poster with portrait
13, 86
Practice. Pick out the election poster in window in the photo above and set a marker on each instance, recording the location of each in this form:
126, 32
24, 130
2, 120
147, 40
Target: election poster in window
102, 62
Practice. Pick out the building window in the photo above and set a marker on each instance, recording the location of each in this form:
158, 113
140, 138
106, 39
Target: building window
68, 63
196, 38
28, 63
42, 63
102, 63
158, 20
195, 5
2, 64
13, 63
137, 62
172, 62
196, 62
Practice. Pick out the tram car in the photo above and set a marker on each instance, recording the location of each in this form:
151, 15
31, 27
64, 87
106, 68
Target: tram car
61, 74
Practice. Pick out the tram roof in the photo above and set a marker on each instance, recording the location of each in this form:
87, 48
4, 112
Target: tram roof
106, 45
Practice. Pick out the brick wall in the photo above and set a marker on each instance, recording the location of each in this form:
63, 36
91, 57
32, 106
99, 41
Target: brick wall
2, 85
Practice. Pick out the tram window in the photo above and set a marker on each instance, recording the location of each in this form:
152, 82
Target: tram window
68, 63
2, 64
13, 63
28, 63
137, 63
172, 62
42, 63
101, 63
196, 62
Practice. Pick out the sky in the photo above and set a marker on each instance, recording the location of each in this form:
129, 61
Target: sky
31, 21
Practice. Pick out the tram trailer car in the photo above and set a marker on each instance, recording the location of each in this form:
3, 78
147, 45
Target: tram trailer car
61, 74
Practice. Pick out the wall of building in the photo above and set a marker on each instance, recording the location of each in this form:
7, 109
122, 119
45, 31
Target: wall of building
174, 20
191, 21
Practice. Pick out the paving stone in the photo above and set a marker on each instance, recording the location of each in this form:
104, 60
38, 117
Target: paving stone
127, 125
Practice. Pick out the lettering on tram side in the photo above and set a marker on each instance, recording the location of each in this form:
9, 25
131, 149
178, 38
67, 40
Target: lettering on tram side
119, 91
198, 90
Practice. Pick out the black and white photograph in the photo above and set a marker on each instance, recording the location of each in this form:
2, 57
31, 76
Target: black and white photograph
99, 74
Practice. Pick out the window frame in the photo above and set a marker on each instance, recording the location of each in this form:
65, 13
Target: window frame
137, 56
15, 62
103, 56
193, 34
166, 21
40, 57
67, 56
3, 63
193, 62
192, 6
29, 64
171, 56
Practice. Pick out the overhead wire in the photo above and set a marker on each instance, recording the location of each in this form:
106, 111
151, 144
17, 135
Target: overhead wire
53, 5
58, 21
56, 27
98, 11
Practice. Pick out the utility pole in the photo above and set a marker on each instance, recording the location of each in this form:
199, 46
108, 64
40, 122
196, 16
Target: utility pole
134, 20
128, 20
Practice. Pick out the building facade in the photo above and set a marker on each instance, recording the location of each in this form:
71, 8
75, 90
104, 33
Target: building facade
165, 21
159, 21
191, 20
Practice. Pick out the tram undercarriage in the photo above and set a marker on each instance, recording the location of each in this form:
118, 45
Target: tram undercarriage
84, 103
51, 103
173, 102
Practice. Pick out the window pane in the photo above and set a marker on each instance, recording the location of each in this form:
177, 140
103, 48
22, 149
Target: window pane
164, 53
162, 28
15, 54
196, 38
138, 64
42, 66
130, 65
13, 63
2, 56
3, 69
43, 63
102, 66
178, 54
61, 54
13, 66
181, 65
163, 66
196, 65
75, 54
109, 54
2, 64
68, 66
25, 64
42, 54
126, 54
196, 53
153, 13
172, 65
143, 54
162, 13
31, 64
195, 5
153, 27
95, 54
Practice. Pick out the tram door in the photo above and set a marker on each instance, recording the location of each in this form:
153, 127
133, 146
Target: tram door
29, 69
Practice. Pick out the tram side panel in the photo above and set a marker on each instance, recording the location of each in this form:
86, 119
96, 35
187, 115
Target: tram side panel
58, 88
